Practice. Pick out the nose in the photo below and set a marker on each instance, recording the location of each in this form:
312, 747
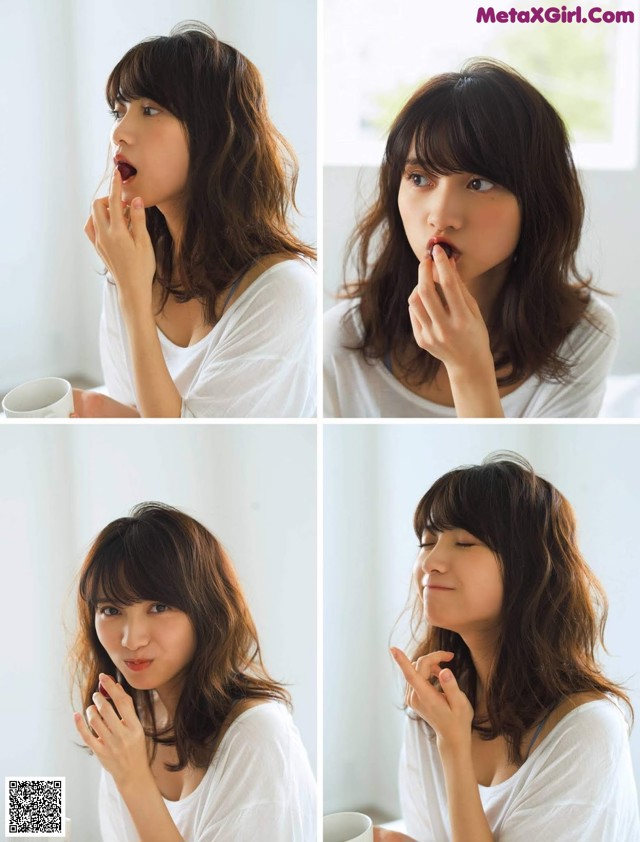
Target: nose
435, 560
122, 131
444, 209
135, 633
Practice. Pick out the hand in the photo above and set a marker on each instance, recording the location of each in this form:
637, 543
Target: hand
381, 834
448, 711
124, 245
88, 404
119, 742
446, 319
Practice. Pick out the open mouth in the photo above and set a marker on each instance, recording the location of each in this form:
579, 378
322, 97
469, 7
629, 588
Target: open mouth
126, 170
448, 249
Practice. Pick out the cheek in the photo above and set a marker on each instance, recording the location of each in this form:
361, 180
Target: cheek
405, 206
105, 635
503, 217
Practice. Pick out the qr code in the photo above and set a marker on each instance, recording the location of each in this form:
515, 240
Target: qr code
34, 807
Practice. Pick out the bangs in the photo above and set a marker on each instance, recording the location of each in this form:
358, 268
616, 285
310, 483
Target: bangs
459, 124
446, 143
460, 499
150, 70
133, 564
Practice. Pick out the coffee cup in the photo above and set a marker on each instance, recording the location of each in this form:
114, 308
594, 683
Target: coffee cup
347, 827
48, 397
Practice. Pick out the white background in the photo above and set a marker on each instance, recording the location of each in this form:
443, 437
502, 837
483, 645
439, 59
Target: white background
374, 477
254, 487
55, 60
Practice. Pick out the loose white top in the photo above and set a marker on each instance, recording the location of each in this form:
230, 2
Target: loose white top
576, 786
258, 361
358, 388
258, 786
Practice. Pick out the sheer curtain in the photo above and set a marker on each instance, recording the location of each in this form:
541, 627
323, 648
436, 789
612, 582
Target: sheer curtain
55, 61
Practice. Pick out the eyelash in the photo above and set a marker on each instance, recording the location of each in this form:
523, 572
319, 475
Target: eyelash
104, 608
458, 544
117, 115
415, 175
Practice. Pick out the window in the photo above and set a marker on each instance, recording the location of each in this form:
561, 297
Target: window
376, 54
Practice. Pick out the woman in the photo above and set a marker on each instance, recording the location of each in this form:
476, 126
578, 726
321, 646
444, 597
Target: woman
194, 737
515, 733
468, 301
209, 309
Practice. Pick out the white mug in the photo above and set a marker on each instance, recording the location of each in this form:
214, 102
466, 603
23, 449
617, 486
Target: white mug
347, 827
48, 397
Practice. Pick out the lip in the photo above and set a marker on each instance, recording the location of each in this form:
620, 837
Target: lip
455, 253
137, 665
438, 588
120, 159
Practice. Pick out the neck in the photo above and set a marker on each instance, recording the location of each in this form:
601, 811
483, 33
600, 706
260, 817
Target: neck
174, 215
483, 646
169, 695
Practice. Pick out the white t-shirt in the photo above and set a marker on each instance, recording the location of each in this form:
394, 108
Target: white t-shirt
357, 388
258, 361
259, 786
576, 786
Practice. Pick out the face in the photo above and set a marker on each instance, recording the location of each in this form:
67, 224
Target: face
156, 144
149, 642
479, 218
460, 581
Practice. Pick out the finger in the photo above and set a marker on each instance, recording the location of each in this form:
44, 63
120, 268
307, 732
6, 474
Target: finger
448, 278
429, 665
408, 670
428, 292
421, 331
417, 308
115, 200
106, 711
96, 722
138, 220
120, 698
100, 217
90, 231
450, 687
89, 740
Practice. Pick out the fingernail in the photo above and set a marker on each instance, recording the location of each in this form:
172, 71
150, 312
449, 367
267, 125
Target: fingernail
446, 675
137, 203
394, 652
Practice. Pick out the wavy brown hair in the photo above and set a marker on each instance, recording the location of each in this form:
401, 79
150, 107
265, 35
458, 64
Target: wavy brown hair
242, 172
490, 121
554, 609
159, 553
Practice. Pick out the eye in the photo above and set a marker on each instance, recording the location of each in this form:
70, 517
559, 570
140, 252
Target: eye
105, 611
160, 607
117, 115
464, 544
417, 179
481, 185
146, 109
